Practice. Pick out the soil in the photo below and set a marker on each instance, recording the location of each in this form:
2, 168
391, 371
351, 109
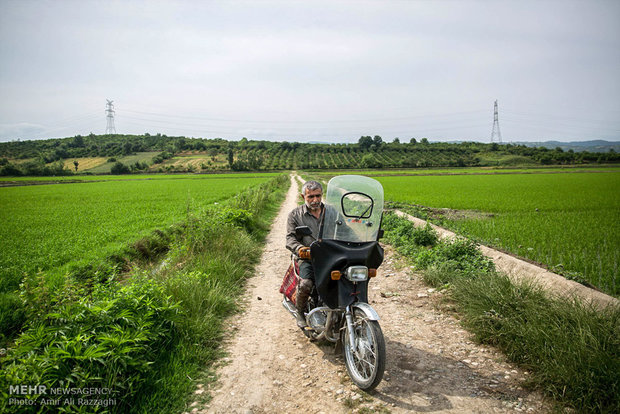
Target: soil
433, 365
451, 214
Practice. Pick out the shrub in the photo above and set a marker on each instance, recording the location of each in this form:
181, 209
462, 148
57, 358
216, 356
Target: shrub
10, 170
237, 217
425, 236
572, 349
108, 340
12, 315
460, 254
119, 168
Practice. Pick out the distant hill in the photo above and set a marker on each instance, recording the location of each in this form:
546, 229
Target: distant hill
598, 145
161, 153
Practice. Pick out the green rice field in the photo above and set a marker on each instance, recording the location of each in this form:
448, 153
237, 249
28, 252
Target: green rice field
569, 222
128, 177
472, 170
49, 227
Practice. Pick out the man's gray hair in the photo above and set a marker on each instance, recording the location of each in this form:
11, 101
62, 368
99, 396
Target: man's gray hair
311, 185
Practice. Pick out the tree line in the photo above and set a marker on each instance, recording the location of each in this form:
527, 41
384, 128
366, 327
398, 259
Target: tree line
46, 157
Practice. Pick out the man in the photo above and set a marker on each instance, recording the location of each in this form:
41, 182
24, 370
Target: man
308, 214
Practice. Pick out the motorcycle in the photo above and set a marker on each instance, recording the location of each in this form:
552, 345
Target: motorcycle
345, 257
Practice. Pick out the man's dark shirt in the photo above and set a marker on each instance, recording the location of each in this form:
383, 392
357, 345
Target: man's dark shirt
301, 216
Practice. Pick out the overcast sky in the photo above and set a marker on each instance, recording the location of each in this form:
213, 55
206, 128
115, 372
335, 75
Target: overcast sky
312, 70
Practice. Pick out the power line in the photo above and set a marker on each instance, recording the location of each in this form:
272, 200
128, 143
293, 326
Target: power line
322, 122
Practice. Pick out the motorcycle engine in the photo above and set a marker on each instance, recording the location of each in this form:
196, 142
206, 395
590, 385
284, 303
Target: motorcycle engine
318, 319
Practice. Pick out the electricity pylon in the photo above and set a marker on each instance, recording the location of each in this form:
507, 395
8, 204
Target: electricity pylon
110, 129
496, 132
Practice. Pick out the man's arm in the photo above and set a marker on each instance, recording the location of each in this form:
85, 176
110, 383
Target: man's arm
291, 239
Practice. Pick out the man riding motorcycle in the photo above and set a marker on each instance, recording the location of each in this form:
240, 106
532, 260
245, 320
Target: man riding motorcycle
331, 283
308, 214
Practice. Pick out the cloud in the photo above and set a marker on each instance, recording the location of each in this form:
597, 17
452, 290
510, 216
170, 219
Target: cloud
319, 61
18, 131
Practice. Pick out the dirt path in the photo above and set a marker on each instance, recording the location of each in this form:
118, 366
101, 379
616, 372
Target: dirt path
432, 365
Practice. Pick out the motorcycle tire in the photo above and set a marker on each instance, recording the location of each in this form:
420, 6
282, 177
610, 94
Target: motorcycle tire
367, 364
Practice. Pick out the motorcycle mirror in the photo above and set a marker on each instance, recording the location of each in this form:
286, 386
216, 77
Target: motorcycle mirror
380, 234
301, 231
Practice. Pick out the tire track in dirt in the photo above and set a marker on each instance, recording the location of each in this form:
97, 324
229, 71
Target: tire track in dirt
432, 363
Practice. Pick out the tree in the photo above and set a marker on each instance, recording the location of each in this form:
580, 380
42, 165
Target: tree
10, 170
370, 161
78, 141
396, 141
119, 168
377, 140
231, 158
424, 141
413, 141
76, 164
365, 142
127, 148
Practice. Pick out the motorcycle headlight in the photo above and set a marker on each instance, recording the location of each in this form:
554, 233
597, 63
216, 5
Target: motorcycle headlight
356, 273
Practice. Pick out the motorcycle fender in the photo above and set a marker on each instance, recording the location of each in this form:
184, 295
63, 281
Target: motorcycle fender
368, 310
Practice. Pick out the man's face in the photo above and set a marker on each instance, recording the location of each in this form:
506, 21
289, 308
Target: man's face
313, 198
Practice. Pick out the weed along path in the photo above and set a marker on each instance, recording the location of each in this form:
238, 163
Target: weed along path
432, 363
519, 270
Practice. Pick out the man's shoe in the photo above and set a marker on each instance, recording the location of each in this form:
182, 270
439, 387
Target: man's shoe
301, 320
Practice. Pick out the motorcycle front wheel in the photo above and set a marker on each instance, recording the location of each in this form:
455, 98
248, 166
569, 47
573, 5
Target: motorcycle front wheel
366, 363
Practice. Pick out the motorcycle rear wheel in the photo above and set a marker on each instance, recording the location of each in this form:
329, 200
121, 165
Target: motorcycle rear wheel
367, 364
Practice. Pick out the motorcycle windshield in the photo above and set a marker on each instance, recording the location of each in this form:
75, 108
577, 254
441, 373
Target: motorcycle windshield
353, 209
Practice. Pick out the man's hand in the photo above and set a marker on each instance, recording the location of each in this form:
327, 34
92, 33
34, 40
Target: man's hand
304, 253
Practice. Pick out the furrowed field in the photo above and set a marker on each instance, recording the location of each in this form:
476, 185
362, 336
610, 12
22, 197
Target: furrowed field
567, 221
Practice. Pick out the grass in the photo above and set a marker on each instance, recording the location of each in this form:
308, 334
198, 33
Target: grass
146, 338
83, 231
197, 162
141, 157
492, 158
572, 350
48, 227
85, 163
128, 177
568, 222
472, 170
